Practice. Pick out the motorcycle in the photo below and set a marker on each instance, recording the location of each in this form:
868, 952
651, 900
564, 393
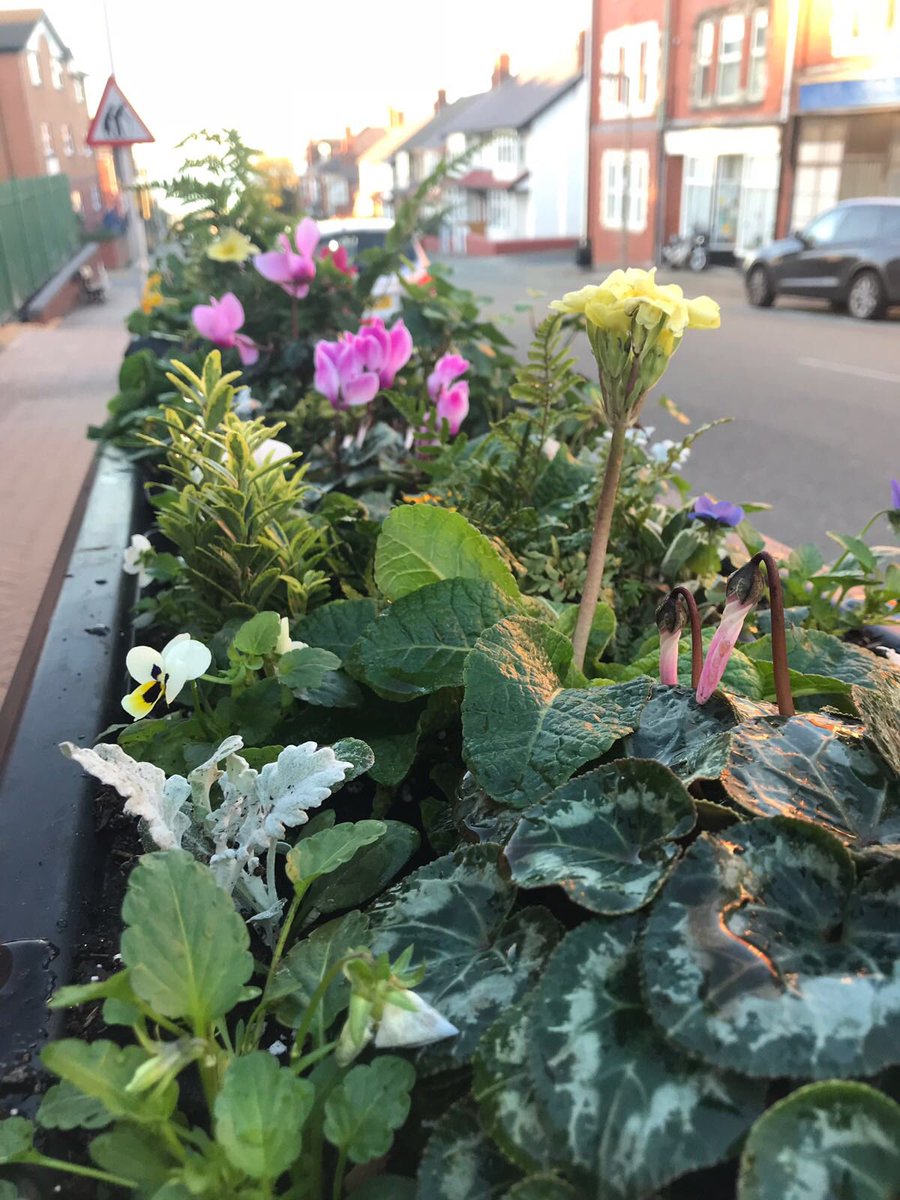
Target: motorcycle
682, 251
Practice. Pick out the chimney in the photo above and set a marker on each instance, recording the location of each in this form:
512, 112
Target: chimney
348, 139
395, 118
580, 50
441, 101
501, 71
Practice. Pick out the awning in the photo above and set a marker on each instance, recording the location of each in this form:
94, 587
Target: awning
485, 181
710, 141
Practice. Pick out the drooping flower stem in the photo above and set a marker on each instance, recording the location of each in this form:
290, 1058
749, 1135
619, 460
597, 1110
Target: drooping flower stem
780, 669
597, 560
295, 323
696, 637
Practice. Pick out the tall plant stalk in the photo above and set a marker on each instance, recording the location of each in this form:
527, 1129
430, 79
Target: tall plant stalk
687, 598
781, 671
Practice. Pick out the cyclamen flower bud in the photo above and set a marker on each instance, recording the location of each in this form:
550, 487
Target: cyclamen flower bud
742, 593
670, 620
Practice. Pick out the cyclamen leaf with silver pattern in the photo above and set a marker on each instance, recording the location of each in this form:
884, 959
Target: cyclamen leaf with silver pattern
505, 1092
630, 1111
524, 733
818, 769
461, 1162
827, 1139
606, 838
763, 955
454, 912
689, 738
541, 1187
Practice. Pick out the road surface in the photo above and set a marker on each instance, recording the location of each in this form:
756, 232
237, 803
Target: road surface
815, 396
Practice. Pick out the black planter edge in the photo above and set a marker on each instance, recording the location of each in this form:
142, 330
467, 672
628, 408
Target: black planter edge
48, 850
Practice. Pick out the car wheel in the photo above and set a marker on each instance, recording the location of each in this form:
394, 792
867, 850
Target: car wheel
866, 300
759, 287
699, 259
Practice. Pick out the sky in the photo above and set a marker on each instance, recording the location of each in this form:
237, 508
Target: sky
283, 73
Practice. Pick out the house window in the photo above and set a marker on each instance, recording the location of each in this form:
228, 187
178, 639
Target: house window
858, 27
77, 203
68, 141
706, 37
757, 75
629, 70
47, 139
56, 73
697, 193
625, 179
507, 145
731, 51
34, 68
79, 88
96, 200
499, 210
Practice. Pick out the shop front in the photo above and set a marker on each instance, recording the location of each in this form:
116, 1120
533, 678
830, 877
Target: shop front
729, 183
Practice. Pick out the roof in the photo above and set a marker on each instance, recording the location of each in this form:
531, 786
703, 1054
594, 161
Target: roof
17, 26
433, 133
512, 105
393, 139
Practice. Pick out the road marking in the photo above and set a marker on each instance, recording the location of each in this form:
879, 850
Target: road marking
848, 369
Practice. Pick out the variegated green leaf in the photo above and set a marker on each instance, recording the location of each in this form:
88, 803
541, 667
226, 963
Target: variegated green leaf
606, 838
820, 770
762, 954
455, 913
629, 1110
461, 1162
541, 1187
829, 1140
524, 731
689, 738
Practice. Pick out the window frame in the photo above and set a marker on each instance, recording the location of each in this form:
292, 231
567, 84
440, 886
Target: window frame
757, 58
47, 143
705, 62
68, 141
614, 164
57, 76
732, 59
34, 68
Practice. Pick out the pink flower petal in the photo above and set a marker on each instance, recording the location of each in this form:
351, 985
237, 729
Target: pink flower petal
720, 648
361, 390
306, 237
401, 348
205, 321
446, 369
327, 379
247, 349
453, 406
274, 266
668, 657
231, 311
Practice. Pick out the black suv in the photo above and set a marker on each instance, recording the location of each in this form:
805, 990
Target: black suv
849, 255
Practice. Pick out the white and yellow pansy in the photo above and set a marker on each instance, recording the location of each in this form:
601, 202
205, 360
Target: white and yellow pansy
285, 642
135, 557
163, 673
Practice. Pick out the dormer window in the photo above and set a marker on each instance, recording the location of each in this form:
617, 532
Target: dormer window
56, 73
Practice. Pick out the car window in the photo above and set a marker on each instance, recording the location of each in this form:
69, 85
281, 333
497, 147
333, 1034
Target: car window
860, 223
357, 241
825, 229
889, 227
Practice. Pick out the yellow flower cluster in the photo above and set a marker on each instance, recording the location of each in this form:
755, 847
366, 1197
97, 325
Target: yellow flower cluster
152, 297
633, 297
231, 246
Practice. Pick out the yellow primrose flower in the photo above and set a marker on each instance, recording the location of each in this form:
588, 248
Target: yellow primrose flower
152, 297
703, 313
231, 246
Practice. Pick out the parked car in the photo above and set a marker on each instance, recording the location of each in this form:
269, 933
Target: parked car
849, 255
357, 234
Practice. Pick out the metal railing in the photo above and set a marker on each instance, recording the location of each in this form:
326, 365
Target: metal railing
38, 234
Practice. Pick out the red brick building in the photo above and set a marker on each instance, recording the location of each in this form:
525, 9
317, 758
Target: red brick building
738, 118
43, 114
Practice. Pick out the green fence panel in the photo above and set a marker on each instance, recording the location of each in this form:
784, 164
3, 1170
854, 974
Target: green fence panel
38, 235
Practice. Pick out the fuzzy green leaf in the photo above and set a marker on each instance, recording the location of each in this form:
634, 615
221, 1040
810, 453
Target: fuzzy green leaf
369, 871
301, 670
103, 1071
63, 1106
16, 1137
365, 1109
329, 849
257, 637
260, 1112
524, 732
338, 625
420, 544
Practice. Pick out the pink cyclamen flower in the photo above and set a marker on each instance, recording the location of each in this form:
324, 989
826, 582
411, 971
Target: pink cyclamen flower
451, 398
345, 374
292, 272
670, 619
219, 322
742, 592
339, 259
395, 347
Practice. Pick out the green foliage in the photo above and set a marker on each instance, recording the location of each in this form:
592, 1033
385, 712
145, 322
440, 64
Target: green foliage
364, 1110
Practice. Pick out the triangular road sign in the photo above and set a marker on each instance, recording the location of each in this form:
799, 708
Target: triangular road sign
116, 123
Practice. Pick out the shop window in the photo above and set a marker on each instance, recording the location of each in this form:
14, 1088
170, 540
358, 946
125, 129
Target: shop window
731, 52
817, 181
56, 73
625, 179
697, 191
706, 37
34, 68
858, 27
757, 71
68, 141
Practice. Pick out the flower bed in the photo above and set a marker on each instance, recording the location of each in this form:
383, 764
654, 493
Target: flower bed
467, 874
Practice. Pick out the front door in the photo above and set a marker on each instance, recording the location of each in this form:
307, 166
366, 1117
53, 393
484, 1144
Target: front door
727, 202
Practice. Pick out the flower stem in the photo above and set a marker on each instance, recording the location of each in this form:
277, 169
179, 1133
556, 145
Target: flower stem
779, 639
58, 1164
295, 327
696, 636
338, 1189
597, 560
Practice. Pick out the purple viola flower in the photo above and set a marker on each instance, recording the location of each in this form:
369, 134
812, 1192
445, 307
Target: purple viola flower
449, 392
706, 509
292, 272
395, 347
344, 373
219, 322
895, 494
742, 593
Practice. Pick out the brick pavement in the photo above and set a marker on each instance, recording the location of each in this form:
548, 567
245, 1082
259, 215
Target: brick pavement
55, 380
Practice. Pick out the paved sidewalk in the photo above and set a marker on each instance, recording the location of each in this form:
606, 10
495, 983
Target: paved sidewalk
54, 381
